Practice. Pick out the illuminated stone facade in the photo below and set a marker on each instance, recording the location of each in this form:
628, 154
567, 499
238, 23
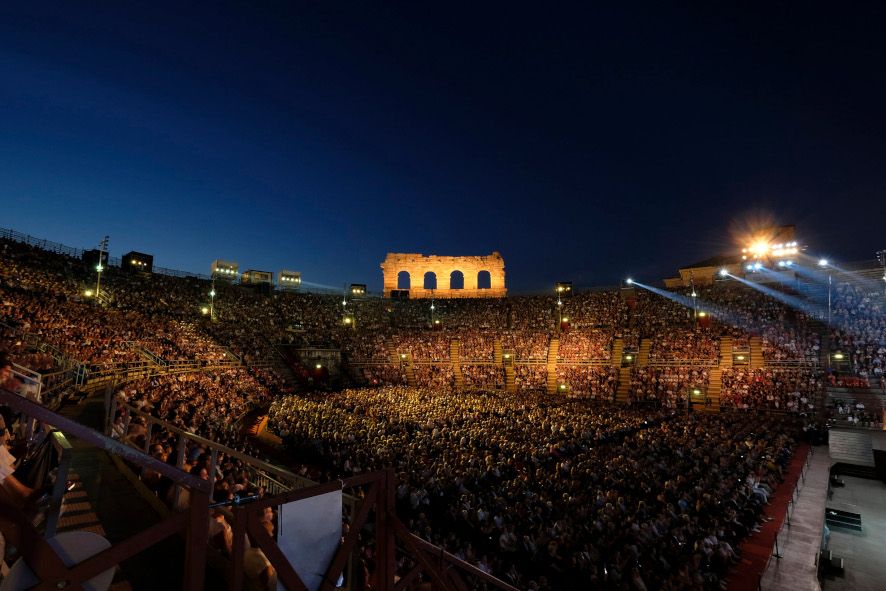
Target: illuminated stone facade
479, 277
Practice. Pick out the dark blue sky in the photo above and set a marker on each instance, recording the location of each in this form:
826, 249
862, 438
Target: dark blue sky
582, 143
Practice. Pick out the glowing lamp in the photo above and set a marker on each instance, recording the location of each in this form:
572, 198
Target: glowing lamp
723, 272
629, 357
740, 357
823, 263
702, 314
88, 293
759, 248
204, 310
629, 281
318, 366
838, 356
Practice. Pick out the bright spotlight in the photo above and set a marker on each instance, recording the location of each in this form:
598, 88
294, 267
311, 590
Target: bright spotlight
629, 281
318, 366
723, 272
758, 266
823, 263
759, 248
694, 294
750, 267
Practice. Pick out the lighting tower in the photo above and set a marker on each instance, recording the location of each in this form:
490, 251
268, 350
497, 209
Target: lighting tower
212, 301
881, 255
824, 263
102, 248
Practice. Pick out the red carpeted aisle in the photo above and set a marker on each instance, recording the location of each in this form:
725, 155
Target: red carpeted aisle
758, 547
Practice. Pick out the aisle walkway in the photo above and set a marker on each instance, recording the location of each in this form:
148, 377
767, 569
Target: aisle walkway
800, 541
757, 550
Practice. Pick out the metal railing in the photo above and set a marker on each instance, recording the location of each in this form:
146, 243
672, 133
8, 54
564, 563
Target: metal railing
421, 558
49, 567
274, 479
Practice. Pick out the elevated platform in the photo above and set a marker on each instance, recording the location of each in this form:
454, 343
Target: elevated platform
851, 447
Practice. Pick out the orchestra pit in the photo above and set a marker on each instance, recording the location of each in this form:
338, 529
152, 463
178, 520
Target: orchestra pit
721, 429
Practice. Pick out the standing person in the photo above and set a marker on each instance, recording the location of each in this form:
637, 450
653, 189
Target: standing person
11, 490
7, 382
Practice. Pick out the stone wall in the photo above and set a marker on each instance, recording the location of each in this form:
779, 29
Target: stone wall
417, 265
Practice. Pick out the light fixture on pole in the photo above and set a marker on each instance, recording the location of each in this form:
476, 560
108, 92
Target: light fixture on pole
824, 263
212, 301
102, 248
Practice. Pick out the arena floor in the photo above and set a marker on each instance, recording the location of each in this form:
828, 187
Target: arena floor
863, 552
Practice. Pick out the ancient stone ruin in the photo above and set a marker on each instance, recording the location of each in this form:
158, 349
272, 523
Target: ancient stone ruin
425, 276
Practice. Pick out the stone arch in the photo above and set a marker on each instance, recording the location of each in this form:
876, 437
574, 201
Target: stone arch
430, 280
456, 280
484, 276
404, 281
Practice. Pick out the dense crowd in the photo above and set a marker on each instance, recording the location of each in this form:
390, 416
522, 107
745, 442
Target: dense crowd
667, 386
546, 494
792, 390
859, 329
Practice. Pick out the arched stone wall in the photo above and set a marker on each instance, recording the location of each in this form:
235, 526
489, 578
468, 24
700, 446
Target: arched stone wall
418, 264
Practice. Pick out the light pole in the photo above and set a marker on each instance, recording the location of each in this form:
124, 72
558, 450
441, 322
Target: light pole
824, 263
102, 247
881, 255
433, 307
212, 301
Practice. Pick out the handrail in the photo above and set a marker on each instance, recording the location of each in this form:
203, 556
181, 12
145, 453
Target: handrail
296, 480
60, 442
45, 561
93, 437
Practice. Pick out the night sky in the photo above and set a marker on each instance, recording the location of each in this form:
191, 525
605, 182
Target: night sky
583, 143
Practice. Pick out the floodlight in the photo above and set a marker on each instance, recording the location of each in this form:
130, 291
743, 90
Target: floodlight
724, 272
629, 281
823, 263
